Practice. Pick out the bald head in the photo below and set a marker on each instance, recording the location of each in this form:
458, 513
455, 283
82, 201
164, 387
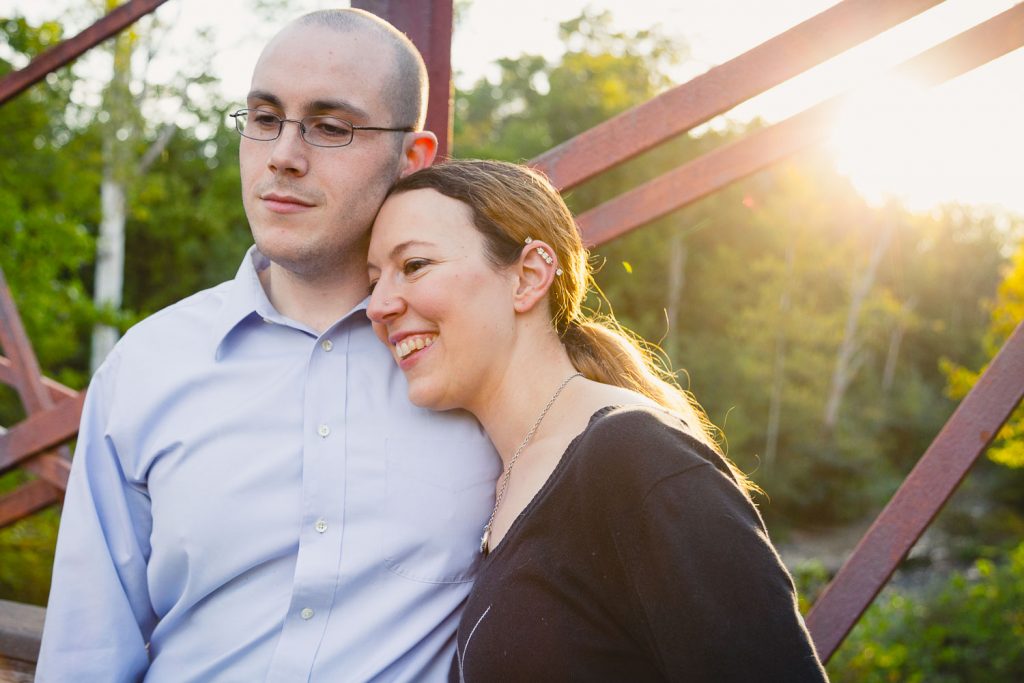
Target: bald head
406, 93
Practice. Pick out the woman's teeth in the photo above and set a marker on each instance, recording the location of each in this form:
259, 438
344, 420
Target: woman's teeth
410, 344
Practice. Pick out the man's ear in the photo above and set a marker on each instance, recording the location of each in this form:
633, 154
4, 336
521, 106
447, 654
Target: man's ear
419, 150
534, 276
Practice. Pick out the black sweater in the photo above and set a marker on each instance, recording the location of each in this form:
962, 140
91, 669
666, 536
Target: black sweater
640, 559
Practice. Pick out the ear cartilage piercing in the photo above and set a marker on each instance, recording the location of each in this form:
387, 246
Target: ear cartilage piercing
548, 259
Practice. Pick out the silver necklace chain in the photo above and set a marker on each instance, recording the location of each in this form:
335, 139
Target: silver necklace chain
485, 539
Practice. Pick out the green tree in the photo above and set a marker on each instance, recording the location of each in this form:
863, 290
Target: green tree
967, 627
185, 230
1006, 314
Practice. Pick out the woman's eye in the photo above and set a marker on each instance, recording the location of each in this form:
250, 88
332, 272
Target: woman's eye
413, 265
373, 285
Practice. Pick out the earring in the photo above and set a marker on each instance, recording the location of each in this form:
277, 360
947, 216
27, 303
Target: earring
548, 259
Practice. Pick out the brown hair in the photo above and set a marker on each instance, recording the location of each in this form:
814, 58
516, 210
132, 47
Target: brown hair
510, 203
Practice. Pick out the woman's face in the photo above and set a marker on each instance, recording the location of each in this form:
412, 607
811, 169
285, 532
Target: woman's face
444, 310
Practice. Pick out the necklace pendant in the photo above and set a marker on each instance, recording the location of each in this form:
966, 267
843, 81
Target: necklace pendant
485, 542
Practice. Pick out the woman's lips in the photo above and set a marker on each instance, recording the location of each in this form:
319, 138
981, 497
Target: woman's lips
416, 342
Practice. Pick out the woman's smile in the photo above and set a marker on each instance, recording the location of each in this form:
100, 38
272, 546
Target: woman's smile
410, 345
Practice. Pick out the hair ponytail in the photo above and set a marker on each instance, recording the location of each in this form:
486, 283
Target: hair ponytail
606, 352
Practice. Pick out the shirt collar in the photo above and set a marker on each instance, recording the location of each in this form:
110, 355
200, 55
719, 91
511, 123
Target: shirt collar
246, 298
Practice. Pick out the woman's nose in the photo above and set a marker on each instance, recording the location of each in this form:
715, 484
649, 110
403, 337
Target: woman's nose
383, 305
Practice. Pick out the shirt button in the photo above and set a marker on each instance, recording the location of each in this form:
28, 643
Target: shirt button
321, 525
323, 430
326, 345
306, 613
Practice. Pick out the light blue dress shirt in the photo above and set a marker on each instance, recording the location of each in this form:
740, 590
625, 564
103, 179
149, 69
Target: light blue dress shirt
251, 501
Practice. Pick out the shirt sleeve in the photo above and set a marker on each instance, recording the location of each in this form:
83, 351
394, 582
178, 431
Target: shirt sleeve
718, 603
99, 617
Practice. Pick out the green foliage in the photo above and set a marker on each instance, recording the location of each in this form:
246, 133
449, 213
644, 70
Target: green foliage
45, 204
1006, 313
970, 627
185, 229
535, 105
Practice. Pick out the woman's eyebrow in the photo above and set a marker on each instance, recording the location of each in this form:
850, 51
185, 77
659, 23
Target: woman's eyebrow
399, 248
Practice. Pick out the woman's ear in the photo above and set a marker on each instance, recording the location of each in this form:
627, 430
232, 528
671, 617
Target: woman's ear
534, 274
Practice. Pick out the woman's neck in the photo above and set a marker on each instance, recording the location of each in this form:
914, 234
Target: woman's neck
507, 411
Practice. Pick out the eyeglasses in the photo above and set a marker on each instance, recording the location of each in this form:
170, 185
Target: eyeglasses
319, 131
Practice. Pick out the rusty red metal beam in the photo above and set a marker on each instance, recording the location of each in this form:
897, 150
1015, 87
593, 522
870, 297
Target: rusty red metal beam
54, 467
57, 390
676, 111
720, 167
51, 468
16, 345
428, 23
69, 50
40, 431
25, 500
966, 435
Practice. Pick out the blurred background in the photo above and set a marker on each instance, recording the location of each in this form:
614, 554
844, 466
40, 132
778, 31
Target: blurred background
828, 313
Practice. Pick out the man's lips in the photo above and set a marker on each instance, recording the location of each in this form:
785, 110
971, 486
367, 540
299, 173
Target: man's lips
283, 203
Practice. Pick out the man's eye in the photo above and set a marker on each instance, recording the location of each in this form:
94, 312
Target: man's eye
331, 128
373, 285
264, 120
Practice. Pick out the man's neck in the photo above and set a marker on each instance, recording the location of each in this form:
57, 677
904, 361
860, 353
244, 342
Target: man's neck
317, 302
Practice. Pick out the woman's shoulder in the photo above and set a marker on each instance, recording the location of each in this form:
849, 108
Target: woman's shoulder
643, 443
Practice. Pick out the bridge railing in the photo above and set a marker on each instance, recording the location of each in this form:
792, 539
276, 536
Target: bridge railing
53, 410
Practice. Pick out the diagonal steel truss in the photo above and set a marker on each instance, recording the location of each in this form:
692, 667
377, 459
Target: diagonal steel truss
53, 410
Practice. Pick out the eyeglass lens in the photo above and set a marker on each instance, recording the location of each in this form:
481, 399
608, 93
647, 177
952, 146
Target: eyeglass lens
322, 131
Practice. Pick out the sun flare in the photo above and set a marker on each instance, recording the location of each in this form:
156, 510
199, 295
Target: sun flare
925, 146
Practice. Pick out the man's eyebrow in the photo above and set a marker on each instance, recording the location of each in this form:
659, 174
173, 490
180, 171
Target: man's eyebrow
268, 97
339, 106
332, 105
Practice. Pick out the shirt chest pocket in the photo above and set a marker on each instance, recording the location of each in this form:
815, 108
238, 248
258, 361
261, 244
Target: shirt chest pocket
439, 495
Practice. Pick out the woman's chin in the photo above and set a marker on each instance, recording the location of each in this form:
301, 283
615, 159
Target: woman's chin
429, 397
423, 397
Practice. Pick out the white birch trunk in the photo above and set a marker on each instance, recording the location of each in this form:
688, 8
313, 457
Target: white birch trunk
848, 359
109, 281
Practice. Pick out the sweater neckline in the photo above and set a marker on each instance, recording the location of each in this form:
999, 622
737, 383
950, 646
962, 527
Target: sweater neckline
549, 483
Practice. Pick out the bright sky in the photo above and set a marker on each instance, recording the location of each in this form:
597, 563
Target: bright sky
961, 141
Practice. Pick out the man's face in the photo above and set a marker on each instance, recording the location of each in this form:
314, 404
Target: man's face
310, 208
